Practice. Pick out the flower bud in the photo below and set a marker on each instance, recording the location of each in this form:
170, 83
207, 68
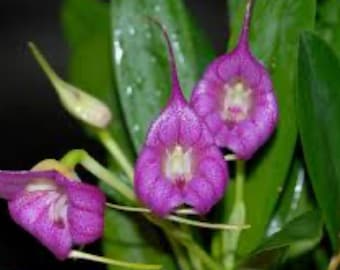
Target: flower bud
78, 103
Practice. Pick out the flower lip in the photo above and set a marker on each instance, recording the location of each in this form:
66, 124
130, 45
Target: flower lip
237, 101
56, 210
178, 164
167, 173
235, 98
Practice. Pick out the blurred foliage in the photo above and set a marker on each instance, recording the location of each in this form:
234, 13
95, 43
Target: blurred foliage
319, 124
328, 23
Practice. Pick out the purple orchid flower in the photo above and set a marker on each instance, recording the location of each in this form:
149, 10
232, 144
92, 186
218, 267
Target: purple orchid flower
179, 163
235, 98
58, 211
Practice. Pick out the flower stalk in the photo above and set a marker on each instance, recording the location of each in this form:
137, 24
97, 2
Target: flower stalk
181, 220
230, 239
74, 157
116, 152
76, 254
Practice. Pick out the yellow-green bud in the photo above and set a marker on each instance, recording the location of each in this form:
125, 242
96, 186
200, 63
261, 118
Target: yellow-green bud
78, 103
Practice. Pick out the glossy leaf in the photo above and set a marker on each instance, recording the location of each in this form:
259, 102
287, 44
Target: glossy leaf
275, 28
328, 23
134, 240
294, 199
318, 108
305, 229
301, 234
141, 61
87, 29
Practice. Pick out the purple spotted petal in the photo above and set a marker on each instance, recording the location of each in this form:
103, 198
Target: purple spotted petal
235, 99
32, 211
59, 212
12, 182
85, 212
170, 168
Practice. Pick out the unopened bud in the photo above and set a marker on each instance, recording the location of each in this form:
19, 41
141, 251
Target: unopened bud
78, 103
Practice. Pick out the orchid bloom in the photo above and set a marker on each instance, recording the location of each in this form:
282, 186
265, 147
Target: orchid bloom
54, 206
179, 162
235, 98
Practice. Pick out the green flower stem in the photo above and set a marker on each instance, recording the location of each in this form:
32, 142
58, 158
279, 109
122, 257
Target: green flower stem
185, 240
207, 225
75, 157
116, 152
181, 220
182, 260
230, 239
196, 262
75, 254
240, 177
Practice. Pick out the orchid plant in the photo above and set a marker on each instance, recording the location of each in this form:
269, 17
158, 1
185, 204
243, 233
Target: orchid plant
205, 155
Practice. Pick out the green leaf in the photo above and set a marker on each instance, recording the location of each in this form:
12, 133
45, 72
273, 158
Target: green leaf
318, 108
328, 23
274, 38
129, 238
305, 230
141, 61
86, 26
294, 200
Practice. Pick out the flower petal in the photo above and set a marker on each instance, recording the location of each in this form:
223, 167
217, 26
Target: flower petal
31, 210
85, 212
245, 113
166, 167
12, 182
164, 197
200, 194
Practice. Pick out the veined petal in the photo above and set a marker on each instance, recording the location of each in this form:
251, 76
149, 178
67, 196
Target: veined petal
201, 195
12, 182
55, 209
235, 98
86, 206
167, 173
32, 211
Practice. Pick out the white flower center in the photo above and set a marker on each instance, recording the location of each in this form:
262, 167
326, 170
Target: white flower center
178, 164
57, 210
237, 102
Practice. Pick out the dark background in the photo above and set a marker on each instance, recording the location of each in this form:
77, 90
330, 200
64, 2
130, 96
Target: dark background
33, 124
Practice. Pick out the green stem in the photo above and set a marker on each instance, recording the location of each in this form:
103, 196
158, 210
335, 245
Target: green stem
179, 253
74, 157
186, 241
76, 254
181, 220
116, 152
53, 77
237, 216
195, 261
240, 176
206, 225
